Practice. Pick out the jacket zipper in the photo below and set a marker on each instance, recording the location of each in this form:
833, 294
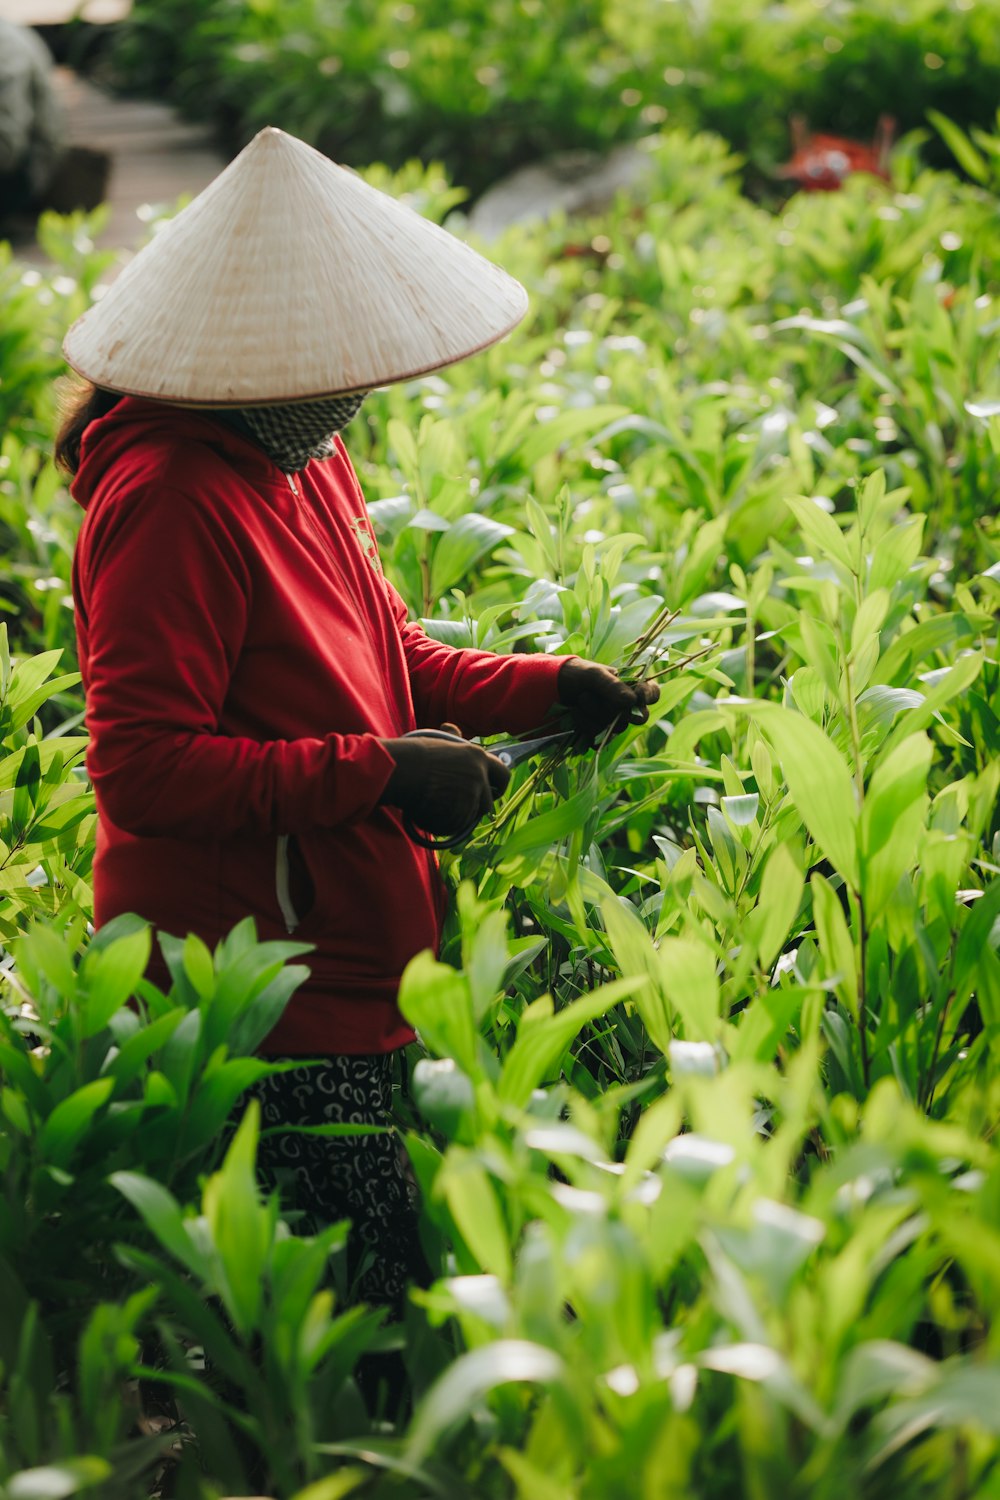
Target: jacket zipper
331, 555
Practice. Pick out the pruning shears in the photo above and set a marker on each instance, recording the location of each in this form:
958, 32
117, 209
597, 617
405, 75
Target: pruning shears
509, 753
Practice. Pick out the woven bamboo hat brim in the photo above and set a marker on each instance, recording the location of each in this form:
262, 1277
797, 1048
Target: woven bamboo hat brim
290, 278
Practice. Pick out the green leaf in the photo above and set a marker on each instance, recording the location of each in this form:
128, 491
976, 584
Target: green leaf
878, 706
912, 646
779, 1242
30, 706
730, 859
893, 820
895, 553
404, 446
820, 651
877, 1369
436, 1002
55, 1481
961, 147
444, 1095
835, 942
780, 896
28, 675
214, 1098
964, 1395
26, 788
820, 784
546, 437
975, 955
128, 1063
706, 544
485, 958
635, 954
162, 1216
198, 966
542, 1038
460, 548
688, 969
335, 1486
180, 1053
741, 810
820, 530
456, 1394
547, 828
248, 1030
476, 1208
15, 1112
111, 975
760, 1363
959, 677
541, 529
240, 1225
52, 956
869, 618
70, 1120
18, 1067
49, 752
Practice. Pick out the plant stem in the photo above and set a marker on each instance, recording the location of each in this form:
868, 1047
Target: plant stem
862, 986
859, 782
928, 1092
675, 666
661, 620
425, 579
751, 658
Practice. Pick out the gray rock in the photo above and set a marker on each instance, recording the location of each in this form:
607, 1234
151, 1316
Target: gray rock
574, 182
31, 125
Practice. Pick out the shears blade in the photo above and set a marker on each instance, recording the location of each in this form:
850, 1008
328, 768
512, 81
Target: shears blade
511, 753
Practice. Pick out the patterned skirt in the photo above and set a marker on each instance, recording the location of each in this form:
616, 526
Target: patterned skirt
365, 1178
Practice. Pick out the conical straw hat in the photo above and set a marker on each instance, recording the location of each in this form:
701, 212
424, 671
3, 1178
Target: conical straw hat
290, 278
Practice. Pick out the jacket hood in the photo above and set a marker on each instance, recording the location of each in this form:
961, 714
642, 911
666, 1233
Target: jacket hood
133, 421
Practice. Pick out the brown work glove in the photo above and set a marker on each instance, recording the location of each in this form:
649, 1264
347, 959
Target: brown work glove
598, 700
443, 785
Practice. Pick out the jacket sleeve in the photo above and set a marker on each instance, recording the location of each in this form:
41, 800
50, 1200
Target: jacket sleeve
163, 598
479, 691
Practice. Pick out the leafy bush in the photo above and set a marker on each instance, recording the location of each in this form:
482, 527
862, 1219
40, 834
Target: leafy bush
46, 808
705, 1120
105, 1072
756, 1277
116, 1092
486, 87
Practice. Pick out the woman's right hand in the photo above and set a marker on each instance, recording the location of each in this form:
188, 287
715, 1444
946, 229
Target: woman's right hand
442, 782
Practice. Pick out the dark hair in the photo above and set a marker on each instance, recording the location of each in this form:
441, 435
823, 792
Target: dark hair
87, 403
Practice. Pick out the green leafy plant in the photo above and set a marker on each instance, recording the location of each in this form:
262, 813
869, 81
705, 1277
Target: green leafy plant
46, 808
104, 1071
280, 1362
485, 88
710, 1294
705, 1113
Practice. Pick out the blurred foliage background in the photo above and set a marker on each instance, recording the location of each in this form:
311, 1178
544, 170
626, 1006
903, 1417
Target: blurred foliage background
484, 88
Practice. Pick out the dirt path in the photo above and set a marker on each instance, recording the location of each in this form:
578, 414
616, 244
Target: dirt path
155, 156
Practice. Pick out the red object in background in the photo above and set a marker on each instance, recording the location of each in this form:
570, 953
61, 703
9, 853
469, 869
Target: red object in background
820, 163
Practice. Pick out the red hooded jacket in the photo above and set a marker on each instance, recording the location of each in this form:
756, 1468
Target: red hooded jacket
243, 655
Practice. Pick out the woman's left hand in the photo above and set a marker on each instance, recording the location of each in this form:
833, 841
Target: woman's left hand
598, 700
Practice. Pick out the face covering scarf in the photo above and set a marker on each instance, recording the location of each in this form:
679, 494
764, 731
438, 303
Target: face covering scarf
291, 435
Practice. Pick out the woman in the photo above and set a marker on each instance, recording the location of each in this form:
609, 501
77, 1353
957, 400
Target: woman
253, 684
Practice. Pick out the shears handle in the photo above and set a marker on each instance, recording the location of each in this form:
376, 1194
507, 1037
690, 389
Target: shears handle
446, 841
428, 840
510, 753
